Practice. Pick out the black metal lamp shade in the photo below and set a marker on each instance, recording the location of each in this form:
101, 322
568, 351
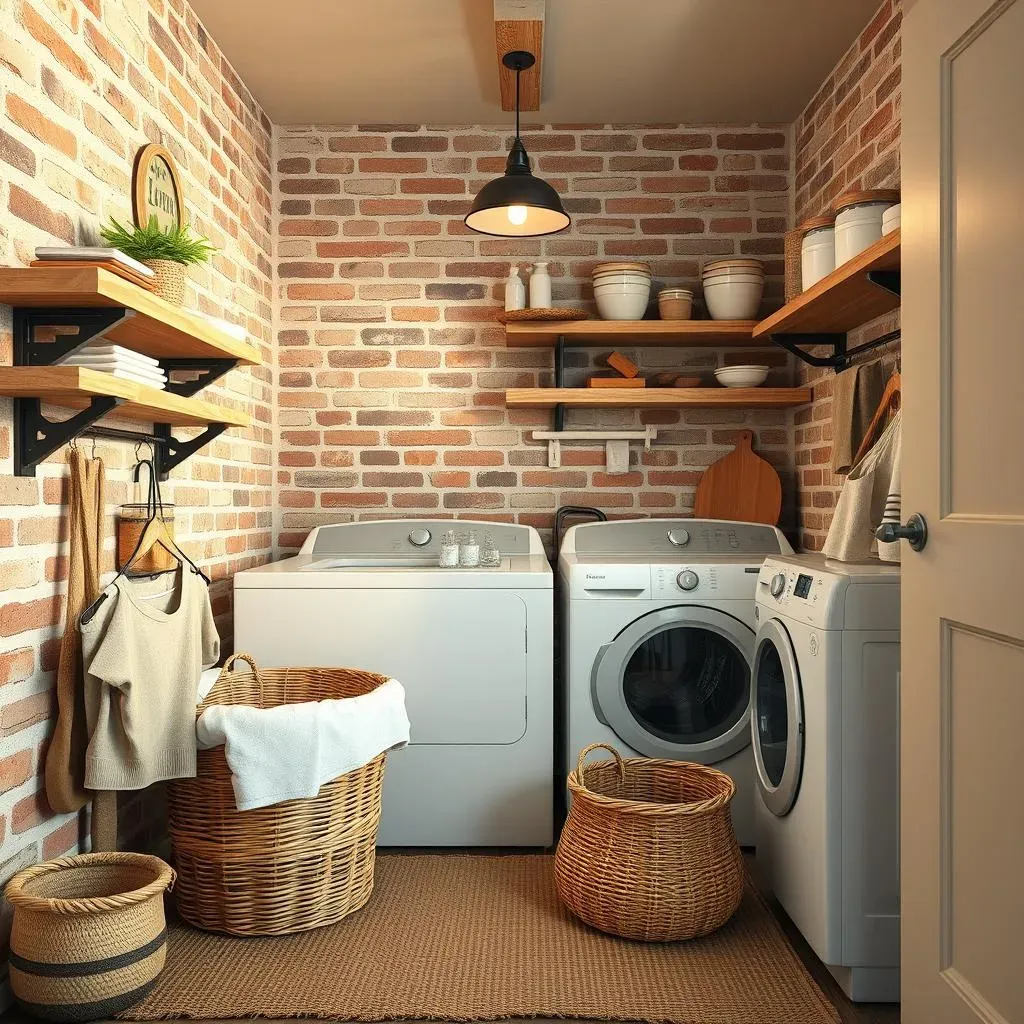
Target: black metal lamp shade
517, 204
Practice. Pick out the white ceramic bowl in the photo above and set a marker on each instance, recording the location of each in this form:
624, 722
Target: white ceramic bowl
733, 300
736, 278
620, 305
755, 266
741, 376
622, 288
624, 278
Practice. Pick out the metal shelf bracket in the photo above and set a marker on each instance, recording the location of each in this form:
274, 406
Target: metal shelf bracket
208, 370
559, 378
176, 451
91, 324
36, 437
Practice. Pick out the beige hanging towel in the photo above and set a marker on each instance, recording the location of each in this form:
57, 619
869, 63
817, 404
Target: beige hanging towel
65, 756
870, 493
857, 392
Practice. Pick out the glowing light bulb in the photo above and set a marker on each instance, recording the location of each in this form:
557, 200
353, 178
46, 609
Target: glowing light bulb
517, 214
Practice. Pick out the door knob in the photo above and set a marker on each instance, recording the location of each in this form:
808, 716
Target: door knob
915, 532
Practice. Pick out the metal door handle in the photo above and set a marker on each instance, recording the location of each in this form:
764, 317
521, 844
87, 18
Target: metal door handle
915, 532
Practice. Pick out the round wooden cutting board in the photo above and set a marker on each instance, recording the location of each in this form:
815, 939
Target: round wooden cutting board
740, 486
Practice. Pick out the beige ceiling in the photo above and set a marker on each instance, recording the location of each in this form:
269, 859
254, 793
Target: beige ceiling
610, 61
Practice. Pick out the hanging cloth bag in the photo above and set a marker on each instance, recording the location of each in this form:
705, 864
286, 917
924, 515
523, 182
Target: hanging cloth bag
870, 493
65, 756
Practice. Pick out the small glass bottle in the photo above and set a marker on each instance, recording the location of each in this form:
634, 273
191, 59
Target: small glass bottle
490, 556
448, 555
469, 551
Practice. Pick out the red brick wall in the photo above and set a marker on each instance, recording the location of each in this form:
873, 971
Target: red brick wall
392, 366
82, 86
848, 137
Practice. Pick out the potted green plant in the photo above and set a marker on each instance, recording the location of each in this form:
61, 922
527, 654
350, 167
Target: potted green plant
166, 251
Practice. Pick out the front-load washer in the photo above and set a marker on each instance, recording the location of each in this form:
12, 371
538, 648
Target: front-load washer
658, 642
825, 729
472, 647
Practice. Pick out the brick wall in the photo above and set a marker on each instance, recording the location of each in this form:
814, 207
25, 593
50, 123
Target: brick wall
392, 365
848, 137
82, 86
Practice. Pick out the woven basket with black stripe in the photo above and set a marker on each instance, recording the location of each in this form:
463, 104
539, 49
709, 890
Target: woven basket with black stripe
89, 936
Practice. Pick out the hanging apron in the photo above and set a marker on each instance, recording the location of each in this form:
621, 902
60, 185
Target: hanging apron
870, 496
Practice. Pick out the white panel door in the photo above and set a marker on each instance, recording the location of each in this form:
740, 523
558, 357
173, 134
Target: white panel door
460, 654
962, 702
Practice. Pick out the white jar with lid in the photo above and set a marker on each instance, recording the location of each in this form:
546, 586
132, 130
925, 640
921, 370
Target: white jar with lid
859, 220
817, 250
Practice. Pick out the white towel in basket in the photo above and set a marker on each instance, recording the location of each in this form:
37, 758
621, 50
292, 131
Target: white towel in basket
289, 752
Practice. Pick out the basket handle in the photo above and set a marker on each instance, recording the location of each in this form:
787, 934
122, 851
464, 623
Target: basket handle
241, 656
599, 746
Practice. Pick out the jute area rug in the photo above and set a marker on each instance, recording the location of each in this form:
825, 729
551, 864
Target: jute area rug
464, 938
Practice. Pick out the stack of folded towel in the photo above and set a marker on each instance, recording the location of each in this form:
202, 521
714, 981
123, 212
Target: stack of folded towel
119, 362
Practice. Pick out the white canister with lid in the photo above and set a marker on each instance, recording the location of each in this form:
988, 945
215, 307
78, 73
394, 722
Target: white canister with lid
891, 219
859, 220
540, 286
817, 250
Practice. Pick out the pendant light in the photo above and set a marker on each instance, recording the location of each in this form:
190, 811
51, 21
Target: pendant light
517, 204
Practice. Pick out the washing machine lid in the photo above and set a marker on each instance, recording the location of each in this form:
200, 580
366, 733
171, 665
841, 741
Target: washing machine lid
675, 683
777, 718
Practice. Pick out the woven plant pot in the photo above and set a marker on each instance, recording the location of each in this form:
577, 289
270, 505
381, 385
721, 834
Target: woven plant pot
289, 867
648, 851
89, 937
168, 280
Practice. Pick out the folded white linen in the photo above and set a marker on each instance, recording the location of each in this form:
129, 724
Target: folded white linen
207, 678
110, 365
105, 350
289, 752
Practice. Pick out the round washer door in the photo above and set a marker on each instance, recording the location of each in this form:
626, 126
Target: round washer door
675, 683
777, 721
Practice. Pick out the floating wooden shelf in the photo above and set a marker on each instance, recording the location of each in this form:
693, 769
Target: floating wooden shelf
150, 324
74, 387
634, 333
844, 300
657, 398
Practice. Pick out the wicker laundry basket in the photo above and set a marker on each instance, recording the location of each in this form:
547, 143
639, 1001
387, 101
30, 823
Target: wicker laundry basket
89, 937
281, 869
648, 851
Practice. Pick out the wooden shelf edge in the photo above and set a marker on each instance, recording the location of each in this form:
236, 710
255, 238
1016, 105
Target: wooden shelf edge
883, 255
73, 386
43, 287
542, 334
709, 397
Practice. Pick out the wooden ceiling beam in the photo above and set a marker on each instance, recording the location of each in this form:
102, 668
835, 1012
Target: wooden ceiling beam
519, 25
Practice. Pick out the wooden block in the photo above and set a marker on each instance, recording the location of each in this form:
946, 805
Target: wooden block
618, 362
687, 382
616, 382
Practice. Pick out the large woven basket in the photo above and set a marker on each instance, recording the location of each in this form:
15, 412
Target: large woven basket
281, 869
648, 851
89, 937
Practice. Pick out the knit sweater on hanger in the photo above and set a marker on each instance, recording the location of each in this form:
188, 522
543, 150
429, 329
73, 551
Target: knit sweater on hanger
143, 651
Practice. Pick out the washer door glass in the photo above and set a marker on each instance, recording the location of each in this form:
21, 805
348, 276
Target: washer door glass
676, 683
777, 722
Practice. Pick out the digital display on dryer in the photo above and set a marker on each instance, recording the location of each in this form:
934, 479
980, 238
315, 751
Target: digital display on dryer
803, 586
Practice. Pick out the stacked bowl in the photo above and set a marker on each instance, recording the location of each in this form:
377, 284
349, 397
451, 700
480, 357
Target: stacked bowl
733, 288
622, 290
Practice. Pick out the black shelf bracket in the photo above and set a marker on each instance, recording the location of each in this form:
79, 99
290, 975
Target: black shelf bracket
208, 370
840, 357
887, 279
559, 380
176, 451
36, 437
91, 324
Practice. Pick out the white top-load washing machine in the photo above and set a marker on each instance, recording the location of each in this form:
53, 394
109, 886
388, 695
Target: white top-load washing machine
658, 642
825, 728
472, 647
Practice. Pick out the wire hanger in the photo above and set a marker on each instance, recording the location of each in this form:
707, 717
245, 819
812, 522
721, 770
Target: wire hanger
889, 402
154, 533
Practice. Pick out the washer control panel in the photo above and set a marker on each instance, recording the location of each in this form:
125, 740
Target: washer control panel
722, 581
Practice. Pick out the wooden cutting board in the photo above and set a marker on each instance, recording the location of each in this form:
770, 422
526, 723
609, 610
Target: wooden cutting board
740, 486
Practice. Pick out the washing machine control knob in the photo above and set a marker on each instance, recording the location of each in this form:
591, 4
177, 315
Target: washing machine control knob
778, 584
688, 580
420, 538
679, 537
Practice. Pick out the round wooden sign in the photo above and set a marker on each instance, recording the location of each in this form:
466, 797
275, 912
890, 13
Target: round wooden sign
156, 188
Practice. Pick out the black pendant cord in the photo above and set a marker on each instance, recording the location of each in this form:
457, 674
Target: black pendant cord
518, 73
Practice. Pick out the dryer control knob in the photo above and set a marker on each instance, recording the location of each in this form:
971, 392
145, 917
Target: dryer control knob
778, 584
679, 537
688, 580
420, 538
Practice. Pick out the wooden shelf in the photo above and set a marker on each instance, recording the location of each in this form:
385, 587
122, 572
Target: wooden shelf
657, 398
843, 300
151, 326
74, 386
609, 333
